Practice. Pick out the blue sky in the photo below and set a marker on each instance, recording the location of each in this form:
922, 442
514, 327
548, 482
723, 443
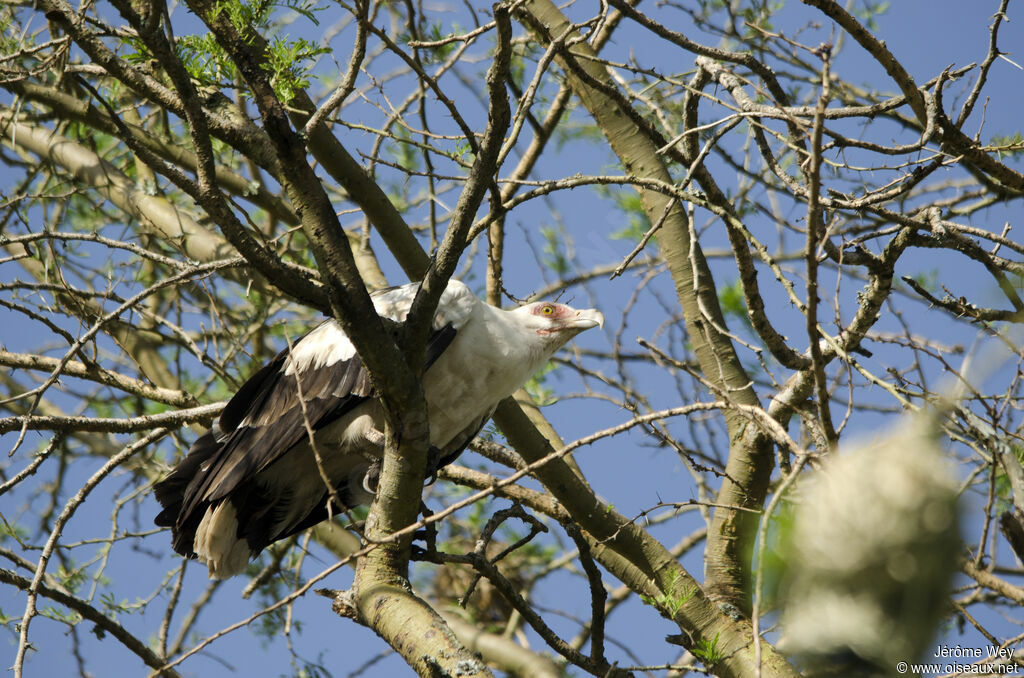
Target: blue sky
927, 36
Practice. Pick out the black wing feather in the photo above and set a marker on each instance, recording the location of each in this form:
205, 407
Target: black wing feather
251, 394
274, 428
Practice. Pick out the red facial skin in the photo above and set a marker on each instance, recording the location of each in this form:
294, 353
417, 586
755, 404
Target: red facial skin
563, 316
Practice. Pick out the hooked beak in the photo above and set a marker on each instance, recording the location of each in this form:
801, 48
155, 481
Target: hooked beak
587, 318
583, 320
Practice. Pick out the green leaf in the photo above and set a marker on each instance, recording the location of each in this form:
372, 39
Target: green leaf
288, 61
541, 393
708, 651
554, 251
731, 298
670, 603
1011, 146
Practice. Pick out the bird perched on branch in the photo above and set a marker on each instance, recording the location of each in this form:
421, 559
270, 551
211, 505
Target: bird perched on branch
254, 478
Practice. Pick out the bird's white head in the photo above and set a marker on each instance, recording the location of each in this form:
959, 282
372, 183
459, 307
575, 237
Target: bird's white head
555, 322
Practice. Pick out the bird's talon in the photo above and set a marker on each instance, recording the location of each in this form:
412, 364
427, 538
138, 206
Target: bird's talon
371, 478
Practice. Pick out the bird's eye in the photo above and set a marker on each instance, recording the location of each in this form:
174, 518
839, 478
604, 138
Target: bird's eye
547, 309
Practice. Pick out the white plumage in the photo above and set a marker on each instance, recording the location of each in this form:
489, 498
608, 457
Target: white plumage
254, 478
